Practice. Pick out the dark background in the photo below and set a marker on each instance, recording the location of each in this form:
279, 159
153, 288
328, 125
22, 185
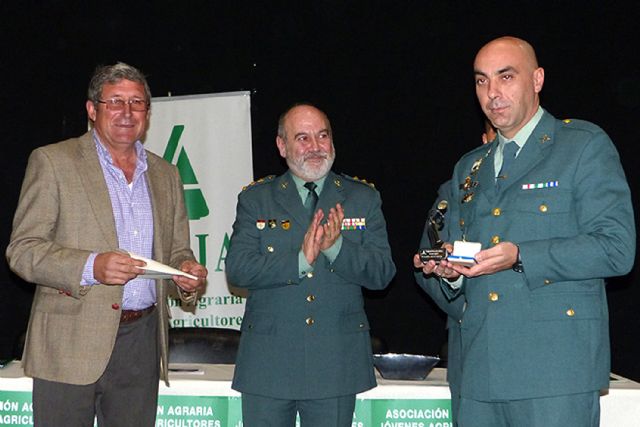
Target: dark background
394, 77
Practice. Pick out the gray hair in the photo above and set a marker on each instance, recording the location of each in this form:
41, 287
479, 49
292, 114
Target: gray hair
112, 74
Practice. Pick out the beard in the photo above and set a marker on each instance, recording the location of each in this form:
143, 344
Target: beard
308, 171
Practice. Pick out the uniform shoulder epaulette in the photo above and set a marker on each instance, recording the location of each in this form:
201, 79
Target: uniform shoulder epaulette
358, 180
580, 124
260, 181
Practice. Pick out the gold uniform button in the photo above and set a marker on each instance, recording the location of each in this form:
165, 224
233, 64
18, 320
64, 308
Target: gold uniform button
269, 248
495, 240
311, 298
571, 312
461, 222
493, 296
496, 212
543, 208
361, 325
547, 281
309, 321
310, 275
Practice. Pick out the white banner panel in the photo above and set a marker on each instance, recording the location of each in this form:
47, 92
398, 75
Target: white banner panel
208, 137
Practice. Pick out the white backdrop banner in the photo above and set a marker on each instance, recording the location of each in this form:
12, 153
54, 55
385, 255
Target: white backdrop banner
208, 137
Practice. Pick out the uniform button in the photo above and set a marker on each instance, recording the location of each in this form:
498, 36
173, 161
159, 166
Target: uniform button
496, 212
309, 321
493, 296
115, 306
547, 281
571, 312
461, 222
495, 240
311, 298
310, 275
331, 270
269, 248
289, 282
543, 208
361, 325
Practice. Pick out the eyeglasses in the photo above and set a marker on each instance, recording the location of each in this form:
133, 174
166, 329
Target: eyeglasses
117, 104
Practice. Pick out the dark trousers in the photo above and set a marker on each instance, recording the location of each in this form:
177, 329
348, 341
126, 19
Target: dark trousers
575, 410
126, 395
260, 411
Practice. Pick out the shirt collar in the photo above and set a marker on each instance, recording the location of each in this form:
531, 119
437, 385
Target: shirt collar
105, 155
523, 134
302, 190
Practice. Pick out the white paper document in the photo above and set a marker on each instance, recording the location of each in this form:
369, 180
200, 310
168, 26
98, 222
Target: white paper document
157, 270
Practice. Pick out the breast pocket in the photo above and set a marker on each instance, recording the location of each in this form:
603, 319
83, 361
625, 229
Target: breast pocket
276, 237
549, 211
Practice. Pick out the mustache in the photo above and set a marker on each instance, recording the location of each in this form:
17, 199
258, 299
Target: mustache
497, 104
316, 155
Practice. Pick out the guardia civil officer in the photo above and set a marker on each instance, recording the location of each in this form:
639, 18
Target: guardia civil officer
305, 244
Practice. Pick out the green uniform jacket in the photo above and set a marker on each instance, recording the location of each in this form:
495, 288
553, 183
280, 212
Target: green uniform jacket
305, 338
566, 203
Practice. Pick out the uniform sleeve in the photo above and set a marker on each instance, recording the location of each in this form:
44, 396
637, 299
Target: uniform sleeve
368, 262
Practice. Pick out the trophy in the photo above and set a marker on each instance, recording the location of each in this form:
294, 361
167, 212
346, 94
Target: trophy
435, 222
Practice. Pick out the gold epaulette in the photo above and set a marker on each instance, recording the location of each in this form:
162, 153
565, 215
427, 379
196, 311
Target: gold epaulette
360, 180
267, 178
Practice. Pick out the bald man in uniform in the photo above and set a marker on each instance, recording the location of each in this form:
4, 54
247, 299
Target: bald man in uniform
549, 202
454, 308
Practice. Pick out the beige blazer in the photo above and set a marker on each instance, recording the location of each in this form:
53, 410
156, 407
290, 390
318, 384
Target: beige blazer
64, 213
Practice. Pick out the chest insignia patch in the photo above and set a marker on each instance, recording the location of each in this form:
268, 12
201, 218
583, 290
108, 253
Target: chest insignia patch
354, 224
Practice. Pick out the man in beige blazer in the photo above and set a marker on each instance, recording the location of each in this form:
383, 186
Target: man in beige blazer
97, 338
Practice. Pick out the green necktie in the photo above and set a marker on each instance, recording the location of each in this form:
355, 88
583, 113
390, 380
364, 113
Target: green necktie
508, 156
312, 198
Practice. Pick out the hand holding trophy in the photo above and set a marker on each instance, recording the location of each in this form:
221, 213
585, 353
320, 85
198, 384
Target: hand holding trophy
435, 222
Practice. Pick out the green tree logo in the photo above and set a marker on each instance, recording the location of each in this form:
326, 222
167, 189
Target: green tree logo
196, 205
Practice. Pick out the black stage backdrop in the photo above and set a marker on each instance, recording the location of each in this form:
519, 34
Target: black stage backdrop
394, 77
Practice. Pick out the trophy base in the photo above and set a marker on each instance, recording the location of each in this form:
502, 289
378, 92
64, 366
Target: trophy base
432, 254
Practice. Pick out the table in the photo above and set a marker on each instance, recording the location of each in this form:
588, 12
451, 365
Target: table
201, 396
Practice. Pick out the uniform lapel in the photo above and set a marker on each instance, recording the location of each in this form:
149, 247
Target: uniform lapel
92, 178
332, 193
482, 182
287, 197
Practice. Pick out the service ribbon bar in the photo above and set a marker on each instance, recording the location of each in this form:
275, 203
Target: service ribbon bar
540, 185
354, 224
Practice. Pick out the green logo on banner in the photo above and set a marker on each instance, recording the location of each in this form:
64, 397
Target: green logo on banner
196, 205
